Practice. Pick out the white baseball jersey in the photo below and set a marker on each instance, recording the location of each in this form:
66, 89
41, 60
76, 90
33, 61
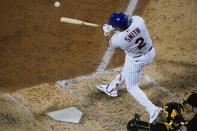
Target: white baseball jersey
137, 44
135, 40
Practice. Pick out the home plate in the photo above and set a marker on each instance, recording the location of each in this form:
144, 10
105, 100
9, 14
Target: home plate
71, 114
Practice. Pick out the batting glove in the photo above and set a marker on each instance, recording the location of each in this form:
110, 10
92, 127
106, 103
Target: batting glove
107, 29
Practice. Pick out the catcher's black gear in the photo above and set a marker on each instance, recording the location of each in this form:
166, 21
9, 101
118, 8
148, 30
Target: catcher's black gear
173, 120
131, 126
136, 123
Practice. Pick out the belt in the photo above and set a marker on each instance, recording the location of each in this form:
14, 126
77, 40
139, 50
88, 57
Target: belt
144, 53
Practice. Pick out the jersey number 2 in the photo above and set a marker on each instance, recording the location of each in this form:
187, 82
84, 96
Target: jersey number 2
140, 42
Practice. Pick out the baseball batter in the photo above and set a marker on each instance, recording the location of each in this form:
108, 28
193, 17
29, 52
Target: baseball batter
131, 35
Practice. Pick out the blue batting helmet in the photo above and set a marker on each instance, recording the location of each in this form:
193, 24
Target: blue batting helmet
119, 20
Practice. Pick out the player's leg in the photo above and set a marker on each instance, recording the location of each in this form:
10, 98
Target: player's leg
112, 88
115, 83
132, 74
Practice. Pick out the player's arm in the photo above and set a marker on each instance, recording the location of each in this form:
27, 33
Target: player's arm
109, 31
109, 35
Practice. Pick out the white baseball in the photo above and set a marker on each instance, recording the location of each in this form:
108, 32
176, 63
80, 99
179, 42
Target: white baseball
57, 4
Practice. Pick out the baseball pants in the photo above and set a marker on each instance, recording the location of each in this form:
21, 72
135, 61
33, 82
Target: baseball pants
131, 75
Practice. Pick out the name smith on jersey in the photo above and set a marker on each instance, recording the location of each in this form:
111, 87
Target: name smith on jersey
132, 34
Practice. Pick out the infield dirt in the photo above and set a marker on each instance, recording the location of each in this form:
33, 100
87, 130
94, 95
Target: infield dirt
36, 50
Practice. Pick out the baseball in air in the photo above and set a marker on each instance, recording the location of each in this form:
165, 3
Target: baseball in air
57, 4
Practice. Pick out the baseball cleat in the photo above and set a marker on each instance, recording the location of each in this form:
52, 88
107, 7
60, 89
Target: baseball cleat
104, 88
155, 114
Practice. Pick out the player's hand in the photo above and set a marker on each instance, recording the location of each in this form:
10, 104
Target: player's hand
107, 29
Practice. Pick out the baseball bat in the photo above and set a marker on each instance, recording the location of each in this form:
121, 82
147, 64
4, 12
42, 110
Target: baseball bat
78, 22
